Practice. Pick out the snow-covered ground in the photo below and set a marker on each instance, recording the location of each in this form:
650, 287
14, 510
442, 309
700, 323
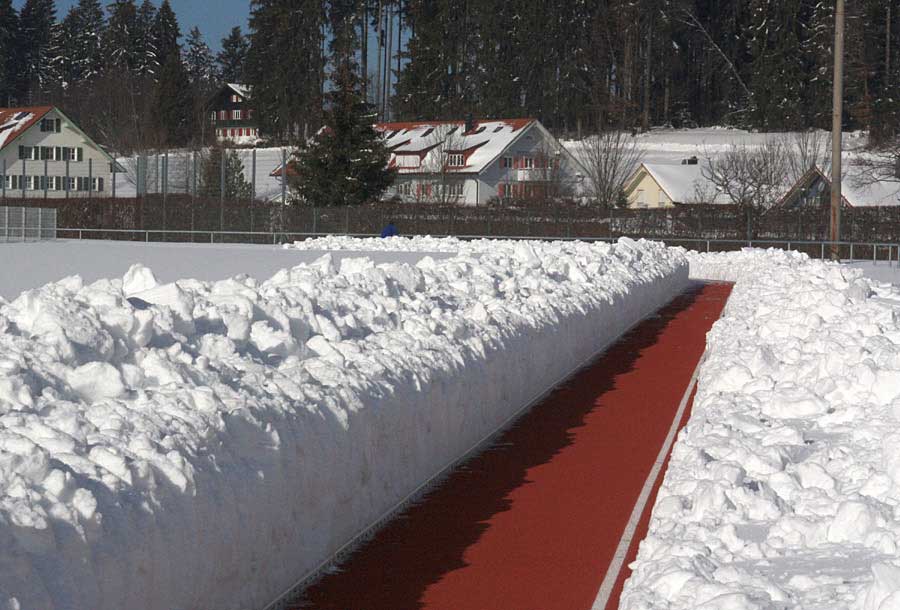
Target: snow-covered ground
880, 272
31, 265
783, 491
203, 444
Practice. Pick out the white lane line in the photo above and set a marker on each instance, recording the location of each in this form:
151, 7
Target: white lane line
615, 567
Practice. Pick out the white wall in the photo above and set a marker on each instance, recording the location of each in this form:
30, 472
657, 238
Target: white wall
94, 159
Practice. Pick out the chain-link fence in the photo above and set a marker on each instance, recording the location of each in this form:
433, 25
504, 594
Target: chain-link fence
27, 223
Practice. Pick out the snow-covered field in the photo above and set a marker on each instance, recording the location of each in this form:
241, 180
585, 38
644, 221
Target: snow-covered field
203, 444
784, 489
31, 265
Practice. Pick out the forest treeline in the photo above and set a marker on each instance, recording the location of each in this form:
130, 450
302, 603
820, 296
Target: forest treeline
126, 73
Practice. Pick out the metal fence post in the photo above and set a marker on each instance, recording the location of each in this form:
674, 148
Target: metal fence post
252, 185
90, 178
113, 166
3, 183
45, 181
222, 190
851, 252
23, 178
193, 189
347, 221
67, 178
283, 176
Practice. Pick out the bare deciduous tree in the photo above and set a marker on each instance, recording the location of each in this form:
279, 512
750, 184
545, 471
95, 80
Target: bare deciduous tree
805, 150
610, 159
753, 177
441, 165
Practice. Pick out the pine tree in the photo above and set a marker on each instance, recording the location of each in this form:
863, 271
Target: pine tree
85, 31
233, 56
147, 55
346, 163
174, 108
166, 33
237, 188
9, 25
119, 43
36, 44
285, 65
200, 63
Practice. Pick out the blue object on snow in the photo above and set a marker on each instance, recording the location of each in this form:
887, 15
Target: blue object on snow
389, 231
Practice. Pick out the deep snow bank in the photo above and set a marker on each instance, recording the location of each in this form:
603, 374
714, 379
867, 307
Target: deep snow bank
783, 490
418, 243
202, 445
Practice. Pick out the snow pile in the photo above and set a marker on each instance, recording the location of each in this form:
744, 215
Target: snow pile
783, 491
204, 444
389, 244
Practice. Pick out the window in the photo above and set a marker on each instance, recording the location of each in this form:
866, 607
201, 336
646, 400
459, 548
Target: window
641, 198
29, 153
456, 160
527, 162
455, 189
97, 184
212, 117
662, 199
506, 162
504, 191
51, 125
235, 99
237, 115
404, 188
223, 115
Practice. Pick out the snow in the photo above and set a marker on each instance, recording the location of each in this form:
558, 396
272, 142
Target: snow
31, 265
685, 183
783, 490
203, 444
11, 124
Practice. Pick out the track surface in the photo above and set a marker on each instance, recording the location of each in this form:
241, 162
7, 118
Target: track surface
534, 521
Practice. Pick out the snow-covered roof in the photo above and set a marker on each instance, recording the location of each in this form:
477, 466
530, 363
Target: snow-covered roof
242, 90
853, 192
16, 121
482, 144
683, 183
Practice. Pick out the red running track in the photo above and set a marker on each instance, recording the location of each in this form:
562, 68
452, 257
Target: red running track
533, 522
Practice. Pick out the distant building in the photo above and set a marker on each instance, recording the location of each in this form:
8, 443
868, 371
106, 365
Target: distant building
231, 116
43, 153
471, 163
655, 186
814, 189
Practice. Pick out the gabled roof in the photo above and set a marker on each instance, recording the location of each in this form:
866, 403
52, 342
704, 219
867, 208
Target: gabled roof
485, 142
682, 183
853, 194
242, 90
16, 121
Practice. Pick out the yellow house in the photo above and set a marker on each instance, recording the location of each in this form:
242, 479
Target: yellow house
655, 186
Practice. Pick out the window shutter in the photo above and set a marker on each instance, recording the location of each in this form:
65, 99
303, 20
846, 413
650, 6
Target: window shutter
80, 153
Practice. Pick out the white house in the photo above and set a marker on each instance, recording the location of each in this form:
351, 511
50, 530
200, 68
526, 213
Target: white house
472, 162
654, 186
44, 154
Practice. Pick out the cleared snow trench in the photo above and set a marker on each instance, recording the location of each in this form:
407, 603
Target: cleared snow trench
204, 444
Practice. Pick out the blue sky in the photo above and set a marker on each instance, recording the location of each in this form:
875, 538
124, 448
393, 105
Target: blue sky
214, 18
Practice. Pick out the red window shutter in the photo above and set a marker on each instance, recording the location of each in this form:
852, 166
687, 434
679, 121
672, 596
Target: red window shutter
418, 189
500, 190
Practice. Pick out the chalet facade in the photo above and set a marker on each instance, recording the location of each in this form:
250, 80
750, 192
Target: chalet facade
814, 189
658, 186
231, 117
472, 163
44, 154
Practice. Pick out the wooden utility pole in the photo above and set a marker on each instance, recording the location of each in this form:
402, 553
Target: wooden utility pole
836, 129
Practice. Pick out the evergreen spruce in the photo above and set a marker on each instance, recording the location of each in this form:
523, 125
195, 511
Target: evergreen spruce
84, 29
285, 66
166, 33
237, 188
200, 63
37, 47
346, 163
143, 41
233, 56
9, 21
119, 42
174, 108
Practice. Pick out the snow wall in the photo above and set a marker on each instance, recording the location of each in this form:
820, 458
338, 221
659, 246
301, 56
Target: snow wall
203, 445
783, 490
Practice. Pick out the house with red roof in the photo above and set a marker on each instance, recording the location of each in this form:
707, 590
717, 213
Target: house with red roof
43, 153
473, 162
